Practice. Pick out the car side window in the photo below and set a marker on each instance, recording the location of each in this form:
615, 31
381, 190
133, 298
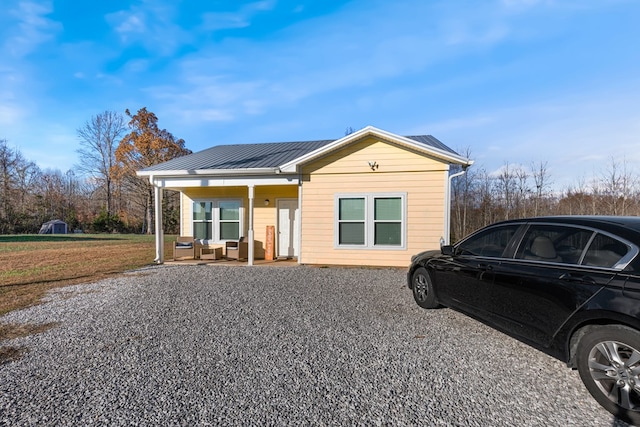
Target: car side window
488, 243
554, 243
605, 251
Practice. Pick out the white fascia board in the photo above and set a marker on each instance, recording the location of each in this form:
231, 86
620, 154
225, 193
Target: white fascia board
292, 166
208, 172
219, 181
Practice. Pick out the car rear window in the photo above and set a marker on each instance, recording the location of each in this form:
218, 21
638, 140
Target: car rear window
571, 245
605, 251
554, 243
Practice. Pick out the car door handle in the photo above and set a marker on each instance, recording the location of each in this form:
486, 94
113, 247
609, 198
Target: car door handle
485, 267
568, 277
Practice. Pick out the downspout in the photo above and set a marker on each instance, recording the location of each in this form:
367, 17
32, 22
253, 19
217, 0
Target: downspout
158, 222
447, 215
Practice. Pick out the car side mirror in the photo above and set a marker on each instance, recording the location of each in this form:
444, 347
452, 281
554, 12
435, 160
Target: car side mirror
447, 250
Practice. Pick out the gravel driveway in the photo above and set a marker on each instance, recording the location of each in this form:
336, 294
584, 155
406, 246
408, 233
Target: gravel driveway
207, 345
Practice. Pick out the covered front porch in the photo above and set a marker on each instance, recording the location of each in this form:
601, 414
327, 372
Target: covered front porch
217, 210
278, 262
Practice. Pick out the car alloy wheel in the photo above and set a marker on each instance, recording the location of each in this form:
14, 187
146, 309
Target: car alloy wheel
614, 367
423, 289
608, 359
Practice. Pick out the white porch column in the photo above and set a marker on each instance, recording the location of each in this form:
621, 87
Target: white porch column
159, 233
299, 225
251, 196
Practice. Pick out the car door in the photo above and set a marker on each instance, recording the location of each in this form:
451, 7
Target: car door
535, 293
464, 279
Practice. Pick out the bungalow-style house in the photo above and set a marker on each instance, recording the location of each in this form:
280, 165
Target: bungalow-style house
370, 198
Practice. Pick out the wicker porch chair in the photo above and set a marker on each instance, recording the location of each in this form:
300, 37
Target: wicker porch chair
237, 250
184, 247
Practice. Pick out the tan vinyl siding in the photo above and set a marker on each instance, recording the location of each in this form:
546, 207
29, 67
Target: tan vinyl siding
267, 215
422, 179
390, 158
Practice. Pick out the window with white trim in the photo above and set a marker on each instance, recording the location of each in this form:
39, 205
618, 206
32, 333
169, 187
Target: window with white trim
217, 220
371, 220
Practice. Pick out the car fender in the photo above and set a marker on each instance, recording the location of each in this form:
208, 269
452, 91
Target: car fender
566, 339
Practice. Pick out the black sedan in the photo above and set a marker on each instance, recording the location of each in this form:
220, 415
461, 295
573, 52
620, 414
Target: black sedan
569, 286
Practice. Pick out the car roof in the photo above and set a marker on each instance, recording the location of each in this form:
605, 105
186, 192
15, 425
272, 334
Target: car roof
631, 223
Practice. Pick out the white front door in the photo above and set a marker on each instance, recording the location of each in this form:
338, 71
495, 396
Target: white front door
288, 217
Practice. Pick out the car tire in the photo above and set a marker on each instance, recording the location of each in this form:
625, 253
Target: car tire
608, 360
423, 289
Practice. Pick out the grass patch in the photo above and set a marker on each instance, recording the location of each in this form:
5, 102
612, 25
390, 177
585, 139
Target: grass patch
16, 330
30, 265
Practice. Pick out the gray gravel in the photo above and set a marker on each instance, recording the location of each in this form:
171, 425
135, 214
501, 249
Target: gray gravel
209, 345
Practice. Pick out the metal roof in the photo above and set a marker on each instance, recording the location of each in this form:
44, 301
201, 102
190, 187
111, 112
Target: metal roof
258, 156
241, 156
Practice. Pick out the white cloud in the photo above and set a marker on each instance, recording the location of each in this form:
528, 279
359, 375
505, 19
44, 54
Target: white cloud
214, 21
127, 23
10, 114
209, 115
31, 28
150, 25
222, 21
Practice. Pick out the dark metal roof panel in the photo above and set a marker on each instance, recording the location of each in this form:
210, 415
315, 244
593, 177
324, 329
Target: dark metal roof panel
262, 155
432, 142
241, 156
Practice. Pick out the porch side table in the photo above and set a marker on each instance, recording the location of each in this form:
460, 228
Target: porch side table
210, 253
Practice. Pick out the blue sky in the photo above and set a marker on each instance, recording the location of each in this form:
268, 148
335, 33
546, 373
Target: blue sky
516, 81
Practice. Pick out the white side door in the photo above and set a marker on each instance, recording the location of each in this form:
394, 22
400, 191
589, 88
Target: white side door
288, 217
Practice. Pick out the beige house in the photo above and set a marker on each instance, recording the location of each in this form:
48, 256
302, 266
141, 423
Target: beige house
371, 198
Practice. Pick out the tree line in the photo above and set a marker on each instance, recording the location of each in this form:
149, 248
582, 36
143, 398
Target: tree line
102, 192
480, 198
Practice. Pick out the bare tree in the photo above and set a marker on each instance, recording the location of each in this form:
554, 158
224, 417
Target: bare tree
541, 181
521, 176
506, 188
616, 187
486, 198
99, 138
7, 179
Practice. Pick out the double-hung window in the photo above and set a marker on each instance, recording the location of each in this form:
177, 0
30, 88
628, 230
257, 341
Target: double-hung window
371, 220
217, 220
